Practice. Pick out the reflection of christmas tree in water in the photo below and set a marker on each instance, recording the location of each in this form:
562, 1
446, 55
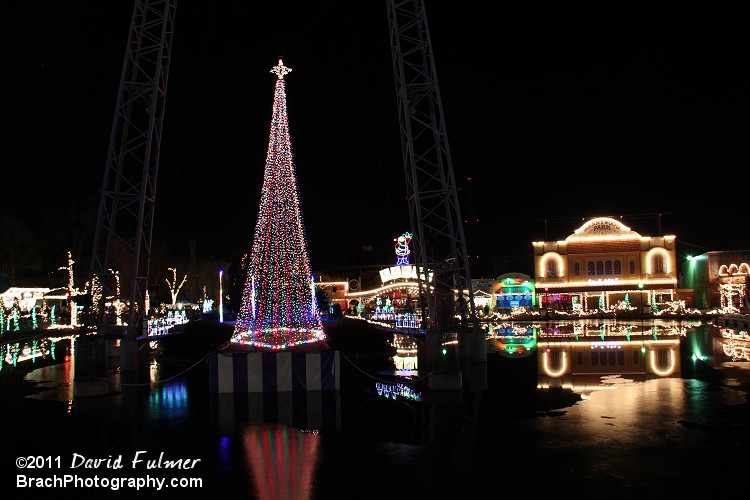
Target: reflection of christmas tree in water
278, 306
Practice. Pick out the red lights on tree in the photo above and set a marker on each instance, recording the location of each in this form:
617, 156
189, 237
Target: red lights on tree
278, 307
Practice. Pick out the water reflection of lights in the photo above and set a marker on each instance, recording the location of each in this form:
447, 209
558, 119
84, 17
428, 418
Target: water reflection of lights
404, 344
514, 329
729, 333
309, 411
405, 365
30, 350
282, 461
568, 358
172, 397
512, 340
671, 367
405, 359
735, 344
736, 352
546, 364
580, 388
593, 328
394, 391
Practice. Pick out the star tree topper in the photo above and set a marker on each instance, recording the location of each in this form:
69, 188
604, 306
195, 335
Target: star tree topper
280, 70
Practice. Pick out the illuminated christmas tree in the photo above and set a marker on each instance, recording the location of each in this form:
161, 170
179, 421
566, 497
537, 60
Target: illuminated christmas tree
278, 307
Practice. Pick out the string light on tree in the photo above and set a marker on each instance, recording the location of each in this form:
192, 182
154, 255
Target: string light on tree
174, 289
278, 307
72, 290
69, 268
16, 326
117, 304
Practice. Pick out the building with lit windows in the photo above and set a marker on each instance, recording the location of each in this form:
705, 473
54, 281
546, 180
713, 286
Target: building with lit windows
395, 300
605, 266
484, 297
719, 279
514, 290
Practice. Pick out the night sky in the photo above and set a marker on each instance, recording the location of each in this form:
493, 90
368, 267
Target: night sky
552, 115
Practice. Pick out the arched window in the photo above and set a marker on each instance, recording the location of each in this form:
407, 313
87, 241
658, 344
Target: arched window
599, 267
658, 264
591, 268
632, 267
608, 267
577, 269
551, 268
618, 267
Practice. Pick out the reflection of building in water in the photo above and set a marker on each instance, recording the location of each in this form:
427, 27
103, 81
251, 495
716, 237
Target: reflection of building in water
733, 344
512, 340
33, 350
657, 357
588, 351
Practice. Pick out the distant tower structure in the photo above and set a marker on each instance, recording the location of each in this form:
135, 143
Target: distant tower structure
278, 308
122, 239
435, 215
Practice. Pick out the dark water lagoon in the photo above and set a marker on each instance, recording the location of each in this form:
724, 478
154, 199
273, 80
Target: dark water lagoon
615, 409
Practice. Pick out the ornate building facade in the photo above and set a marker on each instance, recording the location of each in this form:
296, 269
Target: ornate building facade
605, 265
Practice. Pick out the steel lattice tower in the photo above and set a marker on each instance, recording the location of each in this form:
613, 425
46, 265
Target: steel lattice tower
432, 196
122, 241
